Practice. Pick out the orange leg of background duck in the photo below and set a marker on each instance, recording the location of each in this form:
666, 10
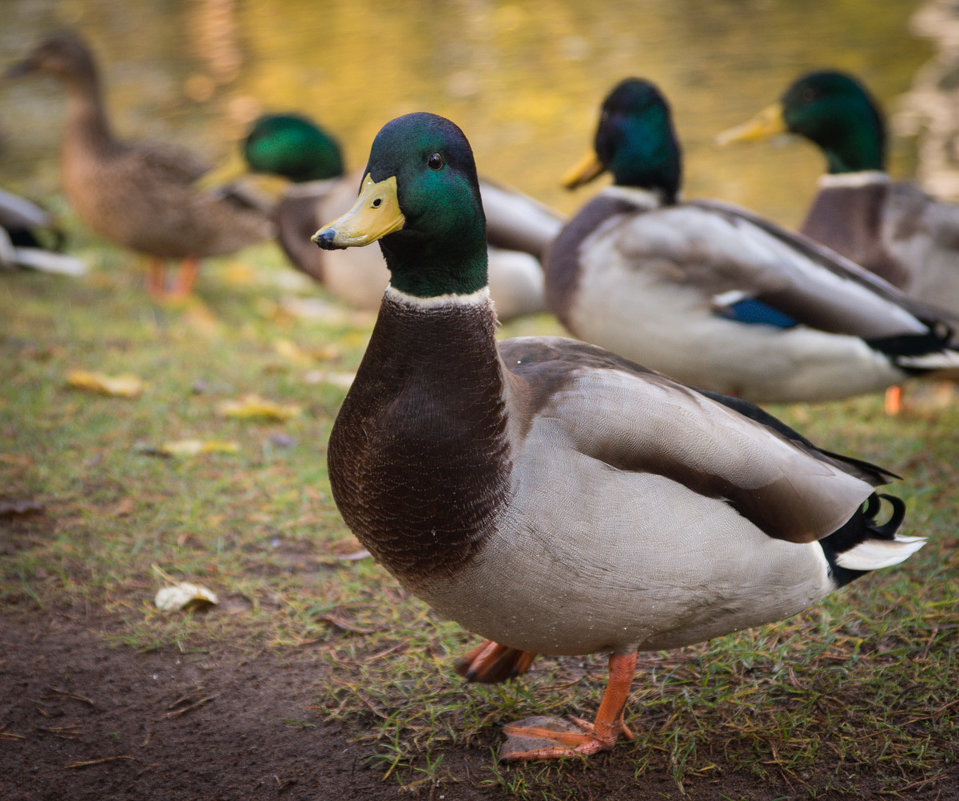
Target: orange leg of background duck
490, 663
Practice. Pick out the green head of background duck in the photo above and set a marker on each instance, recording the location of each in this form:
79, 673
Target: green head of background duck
635, 141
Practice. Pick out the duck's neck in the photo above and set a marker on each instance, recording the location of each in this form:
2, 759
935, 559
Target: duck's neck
858, 148
87, 126
848, 215
419, 455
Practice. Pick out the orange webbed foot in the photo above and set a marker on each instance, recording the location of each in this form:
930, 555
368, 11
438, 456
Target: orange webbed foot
553, 741
491, 663
562, 739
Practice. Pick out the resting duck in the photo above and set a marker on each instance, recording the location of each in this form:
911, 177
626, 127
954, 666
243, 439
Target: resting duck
138, 195
29, 239
889, 227
295, 148
712, 294
552, 496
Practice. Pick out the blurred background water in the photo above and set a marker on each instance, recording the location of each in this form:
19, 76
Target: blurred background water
524, 80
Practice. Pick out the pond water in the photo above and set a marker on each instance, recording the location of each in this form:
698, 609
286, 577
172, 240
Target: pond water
524, 80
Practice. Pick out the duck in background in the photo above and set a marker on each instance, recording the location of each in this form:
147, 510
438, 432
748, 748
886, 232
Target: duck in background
892, 228
715, 296
558, 498
297, 149
29, 239
142, 196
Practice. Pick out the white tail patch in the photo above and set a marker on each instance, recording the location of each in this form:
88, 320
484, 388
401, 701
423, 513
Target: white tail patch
941, 360
874, 554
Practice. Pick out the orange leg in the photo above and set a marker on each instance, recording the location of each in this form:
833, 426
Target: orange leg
602, 733
155, 283
490, 663
893, 402
186, 278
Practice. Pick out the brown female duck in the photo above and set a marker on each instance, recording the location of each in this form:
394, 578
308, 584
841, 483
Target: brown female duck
138, 195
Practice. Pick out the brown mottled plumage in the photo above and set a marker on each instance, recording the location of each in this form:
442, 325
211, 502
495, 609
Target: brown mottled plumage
139, 195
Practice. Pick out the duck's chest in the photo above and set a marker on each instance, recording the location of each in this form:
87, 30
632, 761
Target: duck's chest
418, 457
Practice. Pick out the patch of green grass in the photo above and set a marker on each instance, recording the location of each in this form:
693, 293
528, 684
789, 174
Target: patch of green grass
859, 691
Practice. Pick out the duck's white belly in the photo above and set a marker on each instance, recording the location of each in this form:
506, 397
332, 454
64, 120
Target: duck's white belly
647, 315
665, 568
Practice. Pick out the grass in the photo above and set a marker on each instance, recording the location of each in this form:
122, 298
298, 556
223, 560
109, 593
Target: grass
857, 691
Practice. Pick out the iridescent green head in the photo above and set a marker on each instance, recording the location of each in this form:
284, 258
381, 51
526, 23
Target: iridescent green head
831, 109
835, 111
635, 141
293, 147
420, 199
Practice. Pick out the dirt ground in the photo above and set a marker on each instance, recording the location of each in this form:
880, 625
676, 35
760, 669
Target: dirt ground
83, 720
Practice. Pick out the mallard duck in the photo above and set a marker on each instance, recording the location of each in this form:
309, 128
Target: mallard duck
296, 148
554, 497
29, 238
138, 195
892, 228
712, 294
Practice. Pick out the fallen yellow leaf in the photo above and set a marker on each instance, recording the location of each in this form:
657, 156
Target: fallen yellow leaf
337, 379
181, 594
252, 406
184, 595
126, 385
194, 447
288, 349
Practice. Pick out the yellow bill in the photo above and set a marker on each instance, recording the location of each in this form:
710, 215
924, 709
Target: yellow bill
767, 123
588, 168
375, 214
230, 170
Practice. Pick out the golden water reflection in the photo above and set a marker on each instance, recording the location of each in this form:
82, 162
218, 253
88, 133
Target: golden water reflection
524, 80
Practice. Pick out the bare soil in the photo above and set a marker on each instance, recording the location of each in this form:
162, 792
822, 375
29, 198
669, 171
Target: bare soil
82, 719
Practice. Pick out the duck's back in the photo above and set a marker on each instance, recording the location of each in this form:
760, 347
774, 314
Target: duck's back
143, 197
895, 230
643, 513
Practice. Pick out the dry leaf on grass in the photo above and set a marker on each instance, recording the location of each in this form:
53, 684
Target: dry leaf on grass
194, 447
182, 595
289, 350
188, 447
343, 380
125, 385
253, 406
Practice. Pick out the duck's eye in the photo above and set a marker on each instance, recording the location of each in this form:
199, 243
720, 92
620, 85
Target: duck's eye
809, 94
435, 161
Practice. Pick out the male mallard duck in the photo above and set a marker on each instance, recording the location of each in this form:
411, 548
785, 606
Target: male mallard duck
29, 238
141, 196
552, 496
291, 146
715, 296
889, 227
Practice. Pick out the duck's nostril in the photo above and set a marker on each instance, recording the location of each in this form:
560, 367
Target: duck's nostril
325, 239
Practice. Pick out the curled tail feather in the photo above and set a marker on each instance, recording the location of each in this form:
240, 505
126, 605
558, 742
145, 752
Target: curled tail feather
865, 544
